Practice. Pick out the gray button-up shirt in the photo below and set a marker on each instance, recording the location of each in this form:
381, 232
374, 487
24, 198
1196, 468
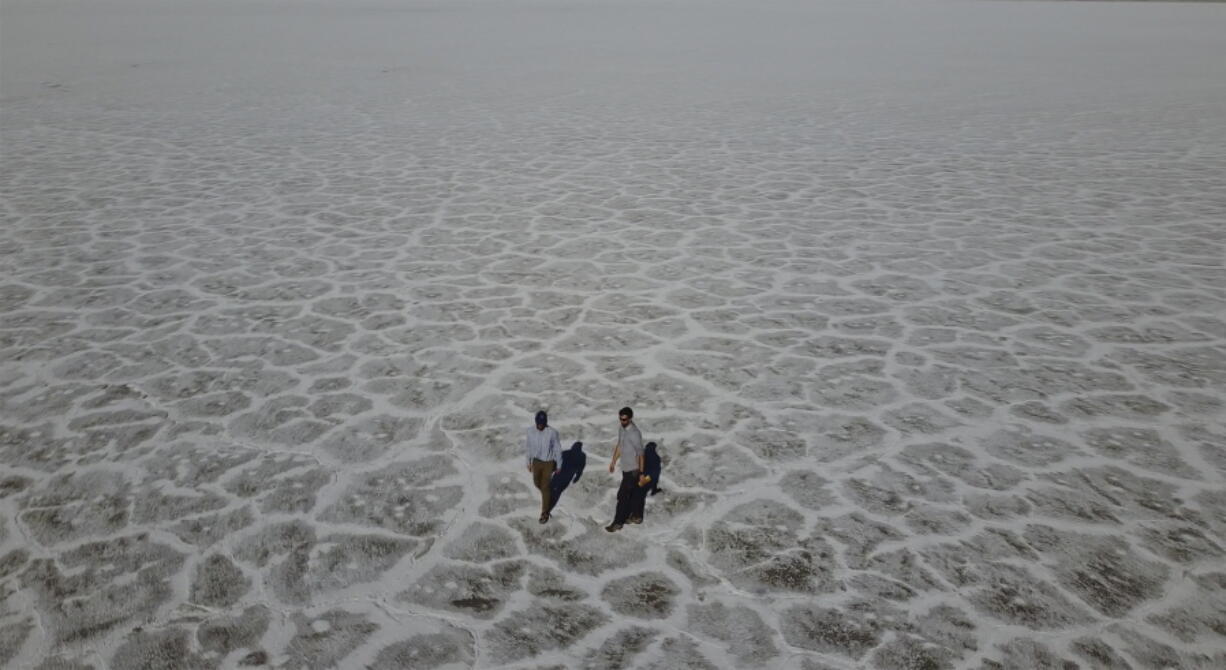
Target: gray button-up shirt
631, 442
543, 445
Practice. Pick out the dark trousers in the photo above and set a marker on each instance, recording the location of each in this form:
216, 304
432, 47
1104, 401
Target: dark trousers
542, 473
631, 498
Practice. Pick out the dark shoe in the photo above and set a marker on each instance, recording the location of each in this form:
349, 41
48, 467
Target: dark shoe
635, 519
544, 518
657, 491
613, 527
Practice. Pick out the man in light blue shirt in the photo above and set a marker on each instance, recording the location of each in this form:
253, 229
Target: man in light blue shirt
543, 449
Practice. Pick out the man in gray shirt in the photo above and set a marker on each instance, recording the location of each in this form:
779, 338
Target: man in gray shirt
543, 450
631, 495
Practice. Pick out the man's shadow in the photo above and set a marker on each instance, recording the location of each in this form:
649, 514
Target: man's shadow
573, 460
652, 465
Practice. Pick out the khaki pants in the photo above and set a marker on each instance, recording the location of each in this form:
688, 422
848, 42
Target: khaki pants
542, 473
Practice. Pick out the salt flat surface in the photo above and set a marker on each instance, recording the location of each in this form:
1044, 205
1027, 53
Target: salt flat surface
925, 303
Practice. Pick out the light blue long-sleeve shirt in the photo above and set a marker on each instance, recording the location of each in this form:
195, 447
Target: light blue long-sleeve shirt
543, 445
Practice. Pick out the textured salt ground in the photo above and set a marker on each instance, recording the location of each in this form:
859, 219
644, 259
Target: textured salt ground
933, 339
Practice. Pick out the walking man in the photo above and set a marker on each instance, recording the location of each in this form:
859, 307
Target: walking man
543, 450
630, 495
